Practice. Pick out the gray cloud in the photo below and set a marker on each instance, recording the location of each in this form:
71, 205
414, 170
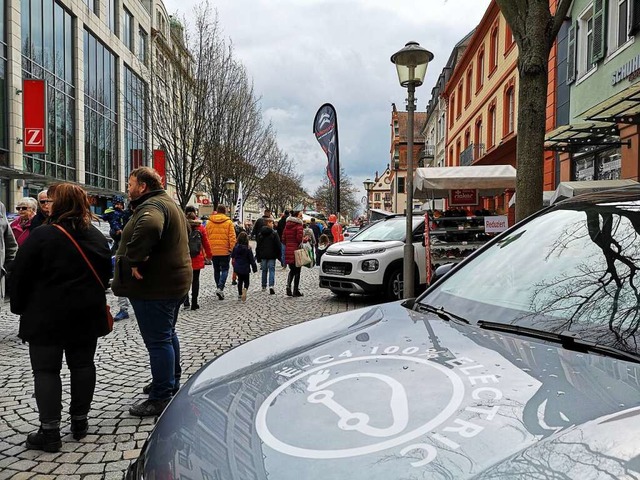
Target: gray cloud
303, 53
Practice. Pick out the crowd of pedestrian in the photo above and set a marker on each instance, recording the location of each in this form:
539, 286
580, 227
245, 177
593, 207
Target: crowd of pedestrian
52, 252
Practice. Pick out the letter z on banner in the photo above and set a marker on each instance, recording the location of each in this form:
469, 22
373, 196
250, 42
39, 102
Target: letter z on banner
325, 128
34, 116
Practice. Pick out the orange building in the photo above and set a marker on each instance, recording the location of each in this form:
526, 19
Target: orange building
399, 154
482, 101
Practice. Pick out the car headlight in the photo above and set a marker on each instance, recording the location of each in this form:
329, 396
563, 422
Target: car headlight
374, 251
370, 265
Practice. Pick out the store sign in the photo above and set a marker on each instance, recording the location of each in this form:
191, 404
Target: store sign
463, 196
34, 116
496, 224
630, 70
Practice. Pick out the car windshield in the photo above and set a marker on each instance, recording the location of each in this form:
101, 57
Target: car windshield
572, 269
392, 229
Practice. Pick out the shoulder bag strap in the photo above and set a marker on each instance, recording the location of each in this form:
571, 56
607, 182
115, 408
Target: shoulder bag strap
81, 253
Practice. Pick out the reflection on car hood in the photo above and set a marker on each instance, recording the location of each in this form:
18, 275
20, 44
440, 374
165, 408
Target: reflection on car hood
358, 246
388, 393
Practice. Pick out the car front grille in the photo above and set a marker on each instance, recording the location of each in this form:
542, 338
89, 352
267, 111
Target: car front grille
336, 268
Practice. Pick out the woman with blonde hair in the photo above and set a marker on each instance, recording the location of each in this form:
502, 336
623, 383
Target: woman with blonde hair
58, 289
21, 226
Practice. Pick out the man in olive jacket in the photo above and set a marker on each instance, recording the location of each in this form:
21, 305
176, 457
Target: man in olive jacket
153, 269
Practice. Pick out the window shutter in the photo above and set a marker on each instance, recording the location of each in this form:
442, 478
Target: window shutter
599, 30
571, 53
634, 24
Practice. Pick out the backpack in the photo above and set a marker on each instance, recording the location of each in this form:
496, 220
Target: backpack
195, 242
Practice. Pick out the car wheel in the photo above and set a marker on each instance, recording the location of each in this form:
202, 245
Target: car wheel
340, 293
393, 287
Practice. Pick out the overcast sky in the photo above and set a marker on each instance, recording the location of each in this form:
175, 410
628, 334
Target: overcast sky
303, 53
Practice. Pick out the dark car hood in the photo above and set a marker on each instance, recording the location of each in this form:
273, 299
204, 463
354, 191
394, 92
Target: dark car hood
385, 392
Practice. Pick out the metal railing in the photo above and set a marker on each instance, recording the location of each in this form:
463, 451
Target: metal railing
472, 153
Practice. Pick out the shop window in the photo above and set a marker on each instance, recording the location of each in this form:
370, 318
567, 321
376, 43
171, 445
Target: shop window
509, 110
480, 70
493, 50
619, 24
451, 109
509, 40
491, 133
469, 81
603, 165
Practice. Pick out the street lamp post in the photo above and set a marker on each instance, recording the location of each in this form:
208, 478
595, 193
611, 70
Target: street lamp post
368, 185
230, 187
411, 63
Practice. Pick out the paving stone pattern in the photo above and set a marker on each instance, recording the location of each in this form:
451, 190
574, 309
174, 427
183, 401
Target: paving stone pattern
115, 437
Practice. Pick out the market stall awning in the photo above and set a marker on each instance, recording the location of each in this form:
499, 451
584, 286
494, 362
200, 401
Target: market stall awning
623, 107
487, 179
571, 189
546, 198
582, 136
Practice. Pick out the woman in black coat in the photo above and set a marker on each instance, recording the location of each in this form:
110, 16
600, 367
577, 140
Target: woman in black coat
62, 308
268, 250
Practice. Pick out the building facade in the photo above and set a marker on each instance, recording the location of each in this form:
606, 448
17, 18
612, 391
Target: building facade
599, 137
399, 149
435, 129
95, 58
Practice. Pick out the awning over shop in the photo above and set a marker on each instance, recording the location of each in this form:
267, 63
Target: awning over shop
487, 179
582, 136
571, 189
623, 107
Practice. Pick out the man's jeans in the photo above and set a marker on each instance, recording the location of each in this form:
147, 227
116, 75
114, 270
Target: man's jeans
282, 254
157, 322
220, 270
269, 265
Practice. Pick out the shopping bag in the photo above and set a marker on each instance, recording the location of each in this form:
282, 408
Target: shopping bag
302, 257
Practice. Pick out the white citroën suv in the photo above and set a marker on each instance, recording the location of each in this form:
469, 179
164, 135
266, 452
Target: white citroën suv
372, 261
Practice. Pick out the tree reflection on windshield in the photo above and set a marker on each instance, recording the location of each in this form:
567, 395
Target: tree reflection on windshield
598, 296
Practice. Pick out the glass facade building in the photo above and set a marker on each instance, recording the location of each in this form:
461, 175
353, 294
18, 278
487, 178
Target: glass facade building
47, 53
100, 114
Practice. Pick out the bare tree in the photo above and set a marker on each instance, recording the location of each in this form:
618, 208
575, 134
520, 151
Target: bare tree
348, 201
182, 72
534, 28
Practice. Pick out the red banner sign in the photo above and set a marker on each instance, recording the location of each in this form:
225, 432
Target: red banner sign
34, 116
160, 165
463, 196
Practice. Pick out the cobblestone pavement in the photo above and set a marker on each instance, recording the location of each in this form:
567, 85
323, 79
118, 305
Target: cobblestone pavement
115, 437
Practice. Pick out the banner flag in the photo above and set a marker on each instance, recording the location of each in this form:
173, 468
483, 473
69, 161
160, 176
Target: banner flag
238, 215
325, 128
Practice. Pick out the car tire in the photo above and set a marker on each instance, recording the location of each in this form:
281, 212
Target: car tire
393, 285
340, 293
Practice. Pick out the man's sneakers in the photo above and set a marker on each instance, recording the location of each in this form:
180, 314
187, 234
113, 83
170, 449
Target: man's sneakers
272, 291
220, 294
121, 315
149, 408
244, 295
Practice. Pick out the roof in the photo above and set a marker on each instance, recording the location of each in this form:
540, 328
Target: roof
419, 120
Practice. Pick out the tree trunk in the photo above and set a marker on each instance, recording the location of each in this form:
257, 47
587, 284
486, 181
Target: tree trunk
532, 98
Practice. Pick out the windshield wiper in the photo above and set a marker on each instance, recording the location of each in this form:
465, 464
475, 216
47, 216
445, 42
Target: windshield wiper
569, 340
440, 312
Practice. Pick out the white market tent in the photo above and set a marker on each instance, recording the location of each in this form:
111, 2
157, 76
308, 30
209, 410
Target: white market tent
571, 189
489, 180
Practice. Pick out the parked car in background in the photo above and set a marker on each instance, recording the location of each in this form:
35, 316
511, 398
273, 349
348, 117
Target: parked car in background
522, 362
371, 263
350, 231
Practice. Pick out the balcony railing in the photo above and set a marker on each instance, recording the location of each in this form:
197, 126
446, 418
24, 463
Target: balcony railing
472, 153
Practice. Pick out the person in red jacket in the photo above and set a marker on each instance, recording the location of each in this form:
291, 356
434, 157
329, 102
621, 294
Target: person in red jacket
336, 229
292, 238
197, 259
